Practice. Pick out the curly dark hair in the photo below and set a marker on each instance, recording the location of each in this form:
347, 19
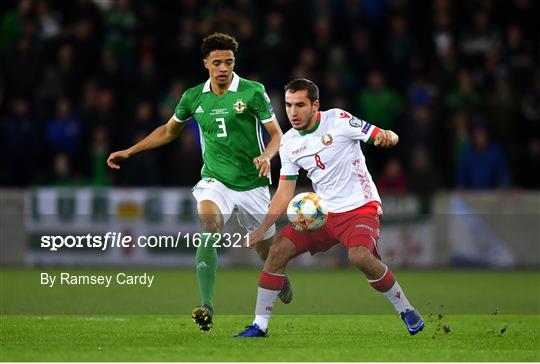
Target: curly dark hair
218, 41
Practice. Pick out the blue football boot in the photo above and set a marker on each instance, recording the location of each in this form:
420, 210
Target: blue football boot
252, 331
413, 321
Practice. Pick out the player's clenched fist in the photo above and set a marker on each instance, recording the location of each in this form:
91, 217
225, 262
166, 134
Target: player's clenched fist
263, 165
116, 157
386, 139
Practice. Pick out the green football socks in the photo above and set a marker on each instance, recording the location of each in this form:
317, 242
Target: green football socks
206, 261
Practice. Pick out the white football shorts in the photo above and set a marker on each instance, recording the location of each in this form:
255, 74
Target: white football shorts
251, 206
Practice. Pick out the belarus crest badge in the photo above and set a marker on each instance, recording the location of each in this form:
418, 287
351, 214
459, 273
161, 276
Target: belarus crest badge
327, 139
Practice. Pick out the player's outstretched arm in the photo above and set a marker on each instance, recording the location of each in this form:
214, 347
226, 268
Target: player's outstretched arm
386, 139
278, 205
163, 134
262, 162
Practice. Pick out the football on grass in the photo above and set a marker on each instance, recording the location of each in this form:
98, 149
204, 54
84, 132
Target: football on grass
307, 212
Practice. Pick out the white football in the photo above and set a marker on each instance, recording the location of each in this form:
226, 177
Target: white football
307, 212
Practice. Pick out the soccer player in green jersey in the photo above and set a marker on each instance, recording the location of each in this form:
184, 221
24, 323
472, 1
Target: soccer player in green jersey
236, 173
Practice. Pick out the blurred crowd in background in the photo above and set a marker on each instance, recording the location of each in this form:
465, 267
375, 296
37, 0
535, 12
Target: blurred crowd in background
459, 81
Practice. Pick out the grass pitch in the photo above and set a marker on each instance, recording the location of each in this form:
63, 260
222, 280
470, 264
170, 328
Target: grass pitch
335, 316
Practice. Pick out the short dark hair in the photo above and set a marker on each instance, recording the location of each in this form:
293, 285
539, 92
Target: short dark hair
218, 41
300, 84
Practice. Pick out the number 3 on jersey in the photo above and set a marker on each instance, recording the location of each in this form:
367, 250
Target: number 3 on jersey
221, 126
319, 162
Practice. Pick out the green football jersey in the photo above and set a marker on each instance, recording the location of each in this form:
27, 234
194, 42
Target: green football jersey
231, 130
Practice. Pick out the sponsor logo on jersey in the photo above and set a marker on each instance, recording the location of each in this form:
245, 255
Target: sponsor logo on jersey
219, 112
199, 110
327, 139
298, 151
366, 128
355, 122
344, 115
239, 106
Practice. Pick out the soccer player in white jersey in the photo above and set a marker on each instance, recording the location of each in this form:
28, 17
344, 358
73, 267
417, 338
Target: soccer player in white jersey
327, 145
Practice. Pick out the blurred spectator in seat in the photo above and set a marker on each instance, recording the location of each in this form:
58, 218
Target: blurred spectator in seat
307, 66
61, 78
99, 111
67, 71
530, 107
64, 130
480, 39
322, 31
400, 48
338, 67
19, 145
518, 54
63, 175
121, 26
187, 41
22, 68
12, 23
464, 95
141, 170
392, 179
99, 150
339, 101
86, 42
333, 89
421, 131
443, 35
146, 82
493, 69
361, 51
110, 72
421, 92
379, 104
49, 21
423, 178
374, 10
483, 165
169, 100
182, 160
89, 98
529, 166
145, 121
459, 127
275, 43
502, 111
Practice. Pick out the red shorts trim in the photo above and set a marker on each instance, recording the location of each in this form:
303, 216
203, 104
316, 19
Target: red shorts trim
352, 228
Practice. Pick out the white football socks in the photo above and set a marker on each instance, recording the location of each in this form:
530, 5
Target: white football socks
265, 305
396, 296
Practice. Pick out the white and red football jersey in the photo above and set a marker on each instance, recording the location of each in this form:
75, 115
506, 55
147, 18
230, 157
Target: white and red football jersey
331, 155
